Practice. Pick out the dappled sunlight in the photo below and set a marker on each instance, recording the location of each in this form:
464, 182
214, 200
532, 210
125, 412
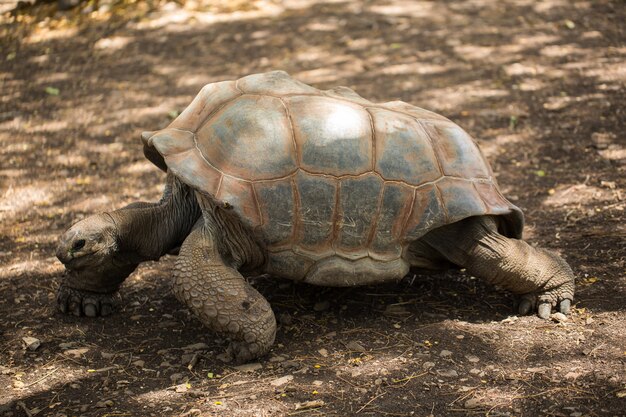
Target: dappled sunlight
48, 126
534, 40
498, 55
616, 154
609, 71
17, 199
564, 50
139, 167
521, 69
160, 401
71, 160
173, 18
546, 6
112, 44
531, 84
456, 97
316, 55
15, 147
375, 363
491, 149
580, 194
91, 205
434, 11
195, 81
53, 77
330, 25
49, 265
44, 34
419, 68
144, 112
329, 74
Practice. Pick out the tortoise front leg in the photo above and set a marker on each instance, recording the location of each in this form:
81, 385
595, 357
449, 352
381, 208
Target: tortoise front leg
221, 298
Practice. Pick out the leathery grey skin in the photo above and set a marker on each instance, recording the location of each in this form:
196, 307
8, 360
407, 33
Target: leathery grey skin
208, 280
542, 278
268, 175
101, 251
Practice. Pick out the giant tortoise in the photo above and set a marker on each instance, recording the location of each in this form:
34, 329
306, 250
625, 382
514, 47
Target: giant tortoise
266, 174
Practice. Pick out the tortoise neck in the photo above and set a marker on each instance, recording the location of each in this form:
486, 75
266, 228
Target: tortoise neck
237, 244
147, 231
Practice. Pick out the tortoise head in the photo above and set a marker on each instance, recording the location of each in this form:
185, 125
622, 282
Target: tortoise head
89, 252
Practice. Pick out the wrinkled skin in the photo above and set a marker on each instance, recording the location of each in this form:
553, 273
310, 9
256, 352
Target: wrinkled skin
542, 278
101, 251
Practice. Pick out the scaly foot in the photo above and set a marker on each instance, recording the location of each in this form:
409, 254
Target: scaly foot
81, 302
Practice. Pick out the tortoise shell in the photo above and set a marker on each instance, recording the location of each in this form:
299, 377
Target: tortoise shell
322, 174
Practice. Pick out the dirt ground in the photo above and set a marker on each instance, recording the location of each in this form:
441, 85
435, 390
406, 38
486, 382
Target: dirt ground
540, 84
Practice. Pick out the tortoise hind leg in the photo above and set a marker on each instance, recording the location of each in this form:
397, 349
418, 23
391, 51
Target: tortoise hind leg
221, 298
423, 258
542, 277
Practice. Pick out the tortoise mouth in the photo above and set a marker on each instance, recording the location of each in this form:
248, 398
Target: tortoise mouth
75, 260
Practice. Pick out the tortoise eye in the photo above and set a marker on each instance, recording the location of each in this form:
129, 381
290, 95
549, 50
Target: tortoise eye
79, 244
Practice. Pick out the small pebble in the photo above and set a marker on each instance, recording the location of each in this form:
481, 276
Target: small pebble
558, 317
32, 343
77, 353
449, 373
176, 377
472, 403
249, 367
472, 358
355, 346
282, 381
186, 358
105, 403
182, 388
196, 346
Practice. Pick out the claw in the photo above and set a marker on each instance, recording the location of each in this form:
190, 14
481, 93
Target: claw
524, 307
79, 303
90, 310
544, 310
75, 308
565, 306
105, 309
62, 303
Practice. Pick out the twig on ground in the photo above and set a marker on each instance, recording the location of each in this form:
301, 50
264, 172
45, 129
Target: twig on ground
370, 401
42, 378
